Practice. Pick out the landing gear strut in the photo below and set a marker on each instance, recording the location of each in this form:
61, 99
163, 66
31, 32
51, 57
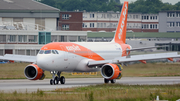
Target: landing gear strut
57, 78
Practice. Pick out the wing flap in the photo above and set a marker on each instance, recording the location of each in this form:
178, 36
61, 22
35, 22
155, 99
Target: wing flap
14, 57
136, 58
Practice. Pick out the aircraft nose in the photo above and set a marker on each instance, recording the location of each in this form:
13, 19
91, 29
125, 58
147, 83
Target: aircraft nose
43, 62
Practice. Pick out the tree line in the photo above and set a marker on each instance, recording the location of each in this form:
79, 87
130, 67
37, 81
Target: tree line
139, 6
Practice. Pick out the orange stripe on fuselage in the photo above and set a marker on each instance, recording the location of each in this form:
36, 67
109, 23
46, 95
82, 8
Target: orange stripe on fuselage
72, 48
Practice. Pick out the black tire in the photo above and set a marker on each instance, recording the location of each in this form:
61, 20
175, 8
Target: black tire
55, 80
106, 80
58, 80
113, 81
51, 82
62, 80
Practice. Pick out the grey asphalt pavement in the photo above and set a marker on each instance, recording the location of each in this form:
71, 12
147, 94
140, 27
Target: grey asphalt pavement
23, 85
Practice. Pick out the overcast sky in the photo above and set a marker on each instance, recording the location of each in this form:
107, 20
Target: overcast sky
170, 1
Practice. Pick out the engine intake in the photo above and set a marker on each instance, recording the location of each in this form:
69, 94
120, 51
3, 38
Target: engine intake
110, 71
33, 72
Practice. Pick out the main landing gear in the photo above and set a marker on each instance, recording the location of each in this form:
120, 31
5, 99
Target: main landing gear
107, 81
57, 79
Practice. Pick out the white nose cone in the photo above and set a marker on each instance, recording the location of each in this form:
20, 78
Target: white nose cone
43, 62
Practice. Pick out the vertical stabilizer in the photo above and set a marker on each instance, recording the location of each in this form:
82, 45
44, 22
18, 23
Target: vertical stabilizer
120, 35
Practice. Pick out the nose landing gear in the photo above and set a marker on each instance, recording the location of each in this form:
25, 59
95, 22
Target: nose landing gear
57, 79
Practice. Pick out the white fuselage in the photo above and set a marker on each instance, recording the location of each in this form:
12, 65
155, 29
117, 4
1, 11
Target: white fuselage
71, 62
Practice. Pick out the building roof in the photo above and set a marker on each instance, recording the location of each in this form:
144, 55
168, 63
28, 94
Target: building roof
135, 34
170, 11
25, 6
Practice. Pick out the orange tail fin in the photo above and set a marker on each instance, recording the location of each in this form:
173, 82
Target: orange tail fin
120, 35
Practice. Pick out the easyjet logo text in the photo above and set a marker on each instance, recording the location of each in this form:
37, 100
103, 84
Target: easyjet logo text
73, 48
123, 21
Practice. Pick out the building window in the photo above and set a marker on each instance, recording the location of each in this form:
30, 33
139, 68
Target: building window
171, 14
22, 38
170, 24
133, 16
84, 25
65, 27
144, 17
155, 26
136, 16
84, 15
32, 38
92, 25
130, 16
11, 38
144, 26
147, 26
147, 17
177, 14
104, 25
91, 15
65, 16
98, 25
101, 25
178, 24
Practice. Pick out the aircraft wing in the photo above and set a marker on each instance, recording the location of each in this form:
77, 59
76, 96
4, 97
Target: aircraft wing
136, 58
142, 48
14, 57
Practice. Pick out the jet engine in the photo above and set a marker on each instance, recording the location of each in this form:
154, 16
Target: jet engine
111, 71
33, 72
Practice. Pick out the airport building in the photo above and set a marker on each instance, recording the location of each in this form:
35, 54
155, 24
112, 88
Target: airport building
26, 25
107, 22
29, 42
27, 15
170, 21
71, 21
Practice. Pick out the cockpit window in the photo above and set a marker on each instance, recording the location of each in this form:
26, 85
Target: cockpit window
47, 52
41, 51
56, 52
53, 51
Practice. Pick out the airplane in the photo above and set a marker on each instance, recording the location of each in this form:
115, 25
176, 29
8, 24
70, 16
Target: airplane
106, 57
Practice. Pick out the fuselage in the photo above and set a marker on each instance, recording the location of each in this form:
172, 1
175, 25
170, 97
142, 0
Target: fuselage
72, 57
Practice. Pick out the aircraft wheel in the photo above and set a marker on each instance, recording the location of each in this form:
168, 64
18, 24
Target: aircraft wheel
62, 80
113, 81
51, 82
106, 80
55, 80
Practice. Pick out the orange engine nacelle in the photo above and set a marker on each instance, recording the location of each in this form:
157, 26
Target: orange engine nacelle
111, 71
33, 72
